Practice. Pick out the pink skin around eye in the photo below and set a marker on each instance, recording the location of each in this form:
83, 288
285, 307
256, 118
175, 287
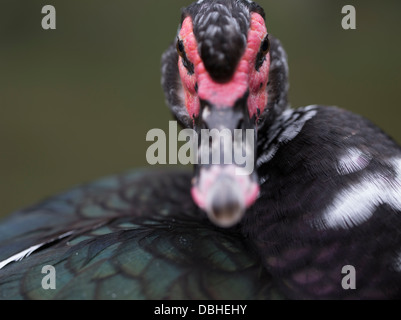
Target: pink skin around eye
258, 79
246, 77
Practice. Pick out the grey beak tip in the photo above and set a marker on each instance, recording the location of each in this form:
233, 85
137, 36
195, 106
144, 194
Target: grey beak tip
225, 203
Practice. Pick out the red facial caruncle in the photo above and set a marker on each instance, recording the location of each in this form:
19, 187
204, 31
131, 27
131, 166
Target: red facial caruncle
200, 84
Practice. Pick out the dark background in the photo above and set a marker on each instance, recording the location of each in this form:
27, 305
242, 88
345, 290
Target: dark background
76, 103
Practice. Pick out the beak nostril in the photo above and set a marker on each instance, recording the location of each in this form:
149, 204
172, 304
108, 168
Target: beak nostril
241, 124
210, 142
204, 125
205, 117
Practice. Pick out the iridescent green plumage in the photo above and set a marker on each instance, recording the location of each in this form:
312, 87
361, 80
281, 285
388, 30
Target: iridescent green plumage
135, 236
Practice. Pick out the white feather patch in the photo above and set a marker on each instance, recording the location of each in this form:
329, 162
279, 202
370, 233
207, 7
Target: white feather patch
357, 203
20, 256
26, 253
352, 161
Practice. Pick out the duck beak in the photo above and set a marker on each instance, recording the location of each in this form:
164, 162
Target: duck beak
225, 183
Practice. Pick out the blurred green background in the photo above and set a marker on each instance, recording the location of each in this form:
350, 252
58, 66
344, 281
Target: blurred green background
76, 103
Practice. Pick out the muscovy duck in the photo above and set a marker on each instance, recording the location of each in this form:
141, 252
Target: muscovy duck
325, 193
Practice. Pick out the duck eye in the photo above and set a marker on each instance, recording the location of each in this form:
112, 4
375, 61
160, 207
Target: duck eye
180, 48
264, 50
265, 47
181, 51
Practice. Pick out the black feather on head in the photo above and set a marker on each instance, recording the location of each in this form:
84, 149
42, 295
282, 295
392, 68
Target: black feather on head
221, 29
